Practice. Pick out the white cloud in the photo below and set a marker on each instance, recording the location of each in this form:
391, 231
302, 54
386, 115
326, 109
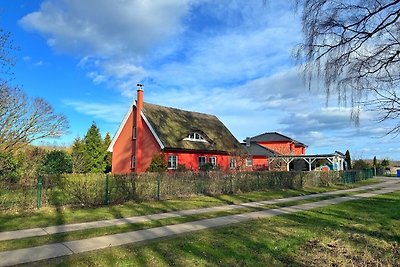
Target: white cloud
106, 28
96, 77
39, 63
123, 42
112, 113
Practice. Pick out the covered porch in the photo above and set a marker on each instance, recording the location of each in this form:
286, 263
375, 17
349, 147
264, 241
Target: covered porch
323, 162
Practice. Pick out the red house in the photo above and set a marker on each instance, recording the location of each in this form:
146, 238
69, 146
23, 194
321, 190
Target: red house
266, 145
185, 138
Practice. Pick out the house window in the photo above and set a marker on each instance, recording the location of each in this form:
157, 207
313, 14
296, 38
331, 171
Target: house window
213, 161
202, 161
133, 160
249, 162
134, 132
195, 137
232, 163
172, 162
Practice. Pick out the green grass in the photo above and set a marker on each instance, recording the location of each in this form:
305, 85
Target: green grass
82, 234
65, 215
357, 233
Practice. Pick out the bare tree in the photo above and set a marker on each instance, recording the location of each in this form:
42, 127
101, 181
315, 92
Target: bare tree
354, 47
23, 120
6, 55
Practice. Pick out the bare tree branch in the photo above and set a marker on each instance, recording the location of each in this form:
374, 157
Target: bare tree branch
353, 46
23, 120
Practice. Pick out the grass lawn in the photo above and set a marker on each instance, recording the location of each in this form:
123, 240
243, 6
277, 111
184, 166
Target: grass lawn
64, 215
357, 233
82, 234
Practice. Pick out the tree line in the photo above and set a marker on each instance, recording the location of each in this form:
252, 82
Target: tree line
85, 155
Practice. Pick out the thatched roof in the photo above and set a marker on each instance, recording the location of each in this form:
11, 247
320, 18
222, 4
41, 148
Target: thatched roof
173, 125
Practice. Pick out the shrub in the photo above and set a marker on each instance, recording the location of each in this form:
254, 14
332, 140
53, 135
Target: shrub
181, 168
360, 165
207, 167
385, 163
8, 168
56, 162
158, 164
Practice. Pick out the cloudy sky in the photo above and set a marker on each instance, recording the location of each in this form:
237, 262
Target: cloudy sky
231, 58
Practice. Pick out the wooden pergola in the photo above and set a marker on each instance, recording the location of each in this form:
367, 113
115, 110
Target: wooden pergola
336, 159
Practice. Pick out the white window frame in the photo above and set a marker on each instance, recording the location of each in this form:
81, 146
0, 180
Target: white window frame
133, 162
205, 161
134, 132
213, 160
173, 159
249, 162
232, 163
195, 137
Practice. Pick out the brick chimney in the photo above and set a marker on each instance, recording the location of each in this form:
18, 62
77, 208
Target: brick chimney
139, 129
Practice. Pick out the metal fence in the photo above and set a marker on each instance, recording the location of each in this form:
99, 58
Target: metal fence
100, 189
353, 176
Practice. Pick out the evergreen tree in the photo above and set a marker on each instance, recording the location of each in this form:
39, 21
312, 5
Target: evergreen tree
108, 156
348, 159
374, 165
94, 149
79, 157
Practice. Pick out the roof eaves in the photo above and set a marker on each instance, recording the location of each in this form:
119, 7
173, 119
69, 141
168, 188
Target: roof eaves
152, 130
121, 126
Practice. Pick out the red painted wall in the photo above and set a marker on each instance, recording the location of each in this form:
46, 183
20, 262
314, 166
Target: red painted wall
300, 150
122, 150
260, 162
191, 159
280, 147
285, 148
125, 146
148, 147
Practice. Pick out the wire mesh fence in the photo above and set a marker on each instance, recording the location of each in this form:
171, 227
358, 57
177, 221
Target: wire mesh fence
100, 189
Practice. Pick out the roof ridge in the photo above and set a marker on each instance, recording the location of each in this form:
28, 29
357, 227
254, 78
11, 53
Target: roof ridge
274, 133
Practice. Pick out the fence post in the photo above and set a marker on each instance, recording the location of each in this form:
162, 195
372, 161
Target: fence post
258, 181
158, 186
199, 183
39, 192
106, 196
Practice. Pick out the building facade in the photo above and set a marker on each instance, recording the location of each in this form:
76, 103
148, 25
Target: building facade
185, 139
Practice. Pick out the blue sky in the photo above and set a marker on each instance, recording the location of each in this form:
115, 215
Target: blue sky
230, 58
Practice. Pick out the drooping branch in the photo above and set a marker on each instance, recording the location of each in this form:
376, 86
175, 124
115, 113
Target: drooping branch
353, 46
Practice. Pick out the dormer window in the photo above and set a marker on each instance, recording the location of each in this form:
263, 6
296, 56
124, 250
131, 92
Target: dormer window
196, 137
